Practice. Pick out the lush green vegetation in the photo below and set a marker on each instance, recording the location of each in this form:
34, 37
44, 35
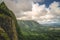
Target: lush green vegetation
8, 23
31, 30
26, 30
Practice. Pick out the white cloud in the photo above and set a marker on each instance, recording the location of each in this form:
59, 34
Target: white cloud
17, 6
42, 14
35, 13
27, 10
54, 8
53, 14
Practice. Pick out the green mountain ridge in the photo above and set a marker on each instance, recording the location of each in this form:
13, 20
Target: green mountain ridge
8, 24
30, 25
32, 30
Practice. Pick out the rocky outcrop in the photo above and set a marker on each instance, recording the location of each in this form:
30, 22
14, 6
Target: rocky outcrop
7, 24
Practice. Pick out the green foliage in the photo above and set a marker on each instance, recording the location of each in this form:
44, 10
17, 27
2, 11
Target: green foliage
31, 30
8, 23
4, 34
26, 30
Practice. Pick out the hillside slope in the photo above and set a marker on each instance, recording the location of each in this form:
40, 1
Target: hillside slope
30, 26
32, 30
33, 27
8, 24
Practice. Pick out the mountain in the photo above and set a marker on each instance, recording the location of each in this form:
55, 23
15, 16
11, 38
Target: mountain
52, 24
30, 26
30, 23
32, 30
8, 24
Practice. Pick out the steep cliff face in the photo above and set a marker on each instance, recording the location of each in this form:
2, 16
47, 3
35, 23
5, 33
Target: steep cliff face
7, 24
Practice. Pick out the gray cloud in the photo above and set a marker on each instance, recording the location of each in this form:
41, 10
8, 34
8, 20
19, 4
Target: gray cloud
42, 14
20, 5
26, 9
1, 1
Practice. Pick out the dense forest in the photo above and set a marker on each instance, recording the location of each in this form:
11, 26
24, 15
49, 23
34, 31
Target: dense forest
32, 30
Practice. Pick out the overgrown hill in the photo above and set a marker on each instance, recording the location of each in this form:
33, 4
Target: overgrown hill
32, 30
33, 27
30, 23
30, 26
8, 24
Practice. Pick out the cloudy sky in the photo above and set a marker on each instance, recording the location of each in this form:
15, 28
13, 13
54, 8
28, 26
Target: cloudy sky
45, 11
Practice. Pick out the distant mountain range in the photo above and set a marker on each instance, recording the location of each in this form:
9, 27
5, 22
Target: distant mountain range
32, 23
52, 24
30, 26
